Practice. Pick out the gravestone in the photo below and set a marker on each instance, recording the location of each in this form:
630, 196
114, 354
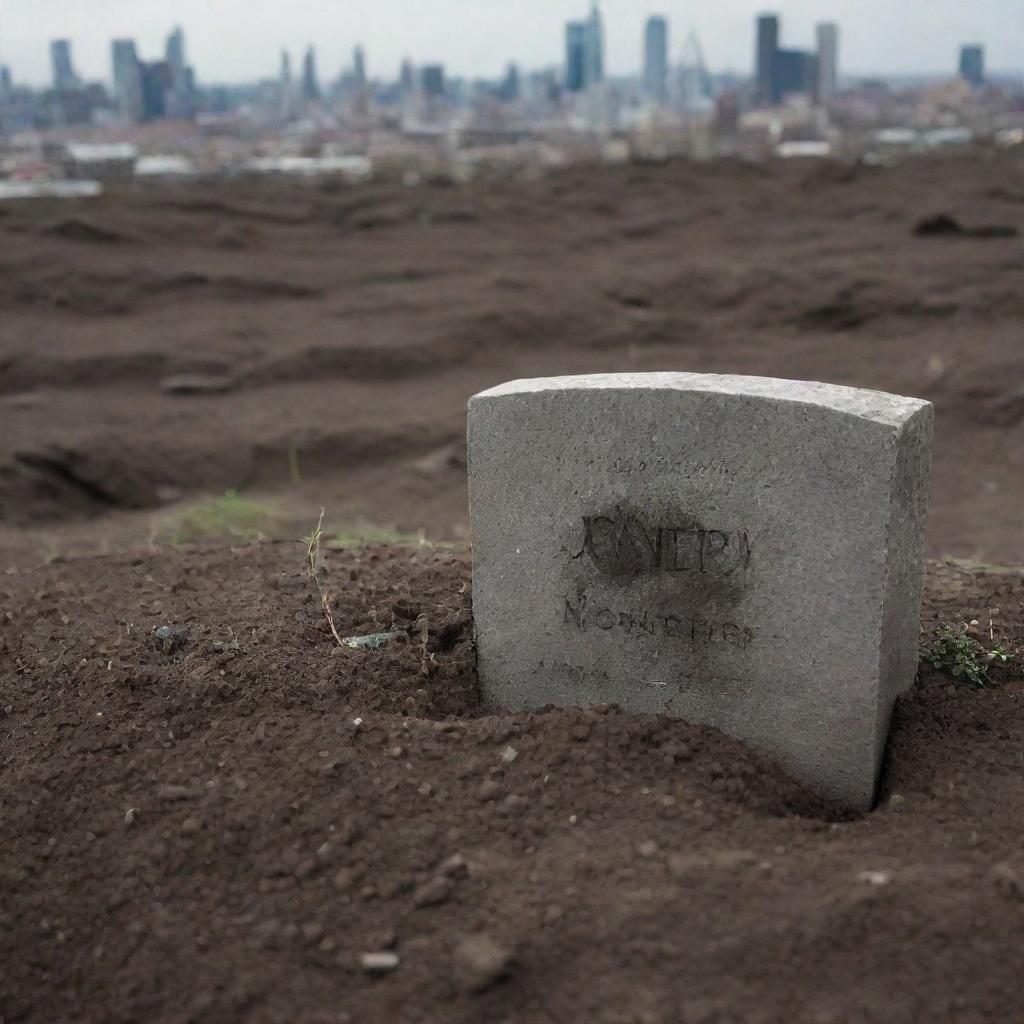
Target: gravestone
743, 552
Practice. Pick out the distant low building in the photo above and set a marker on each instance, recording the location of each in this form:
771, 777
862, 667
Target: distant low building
100, 161
164, 166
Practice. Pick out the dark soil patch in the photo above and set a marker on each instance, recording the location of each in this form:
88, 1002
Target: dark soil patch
217, 822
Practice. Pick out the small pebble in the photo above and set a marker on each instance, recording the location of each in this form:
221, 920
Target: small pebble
876, 877
480, 962
379, 963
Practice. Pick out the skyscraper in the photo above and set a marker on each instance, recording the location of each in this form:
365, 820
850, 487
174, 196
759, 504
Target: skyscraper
64, 77
286, 85
127, 78
827, 35
575, 56
510, 89
310, 82
795, 71
156, 89
432, 79
656, 58
407, 77
179, 98
767, 51
595, 47
359, 65
176, 52
972, 65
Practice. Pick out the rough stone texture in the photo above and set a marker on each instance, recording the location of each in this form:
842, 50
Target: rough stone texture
740, 551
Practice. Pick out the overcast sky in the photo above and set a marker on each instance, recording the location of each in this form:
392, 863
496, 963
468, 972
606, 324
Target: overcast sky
240, 40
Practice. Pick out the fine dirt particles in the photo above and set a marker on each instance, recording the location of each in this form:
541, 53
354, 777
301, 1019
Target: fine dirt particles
210, 811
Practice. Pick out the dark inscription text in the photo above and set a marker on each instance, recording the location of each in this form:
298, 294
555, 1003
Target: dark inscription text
623, 545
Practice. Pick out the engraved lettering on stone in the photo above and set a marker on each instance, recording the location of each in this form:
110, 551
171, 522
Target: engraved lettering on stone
581, 615
627, 546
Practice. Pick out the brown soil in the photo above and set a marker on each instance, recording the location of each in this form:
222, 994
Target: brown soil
338, 332
197, 829
216, 821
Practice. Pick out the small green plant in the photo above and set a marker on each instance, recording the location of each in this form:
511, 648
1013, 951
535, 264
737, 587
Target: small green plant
954, 650
227, 517
358, 537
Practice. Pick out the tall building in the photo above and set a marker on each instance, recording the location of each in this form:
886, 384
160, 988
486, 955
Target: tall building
180, 100
827, 36
127, 79
584, 52
656, 58
286, 85
407, 77
156, 89
432, 80
767, 51
310, 82
575, 56
176, 52
972, 65
64, 77
693, 82
359, 65
595, 47
795, 71
510, 89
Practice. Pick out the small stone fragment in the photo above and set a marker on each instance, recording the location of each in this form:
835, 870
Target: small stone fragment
454, 866
431, 893
876, 877
196, 384
171, 792
488, 790
1009, 882
480, 962
379, 963
580, 732
344, 880
649, 848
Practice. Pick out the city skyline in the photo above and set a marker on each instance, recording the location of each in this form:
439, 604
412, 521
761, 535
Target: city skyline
388, 35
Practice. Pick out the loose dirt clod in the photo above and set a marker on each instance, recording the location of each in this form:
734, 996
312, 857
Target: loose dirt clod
1008, 881
480, 961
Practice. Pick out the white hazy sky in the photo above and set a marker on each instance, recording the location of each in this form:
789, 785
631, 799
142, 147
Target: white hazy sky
239, 40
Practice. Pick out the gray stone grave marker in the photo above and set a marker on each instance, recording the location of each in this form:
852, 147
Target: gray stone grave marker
738, 551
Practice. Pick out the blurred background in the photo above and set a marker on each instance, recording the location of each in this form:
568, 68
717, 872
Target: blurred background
256, 256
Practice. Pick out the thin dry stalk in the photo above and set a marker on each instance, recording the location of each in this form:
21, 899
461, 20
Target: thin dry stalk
313, 571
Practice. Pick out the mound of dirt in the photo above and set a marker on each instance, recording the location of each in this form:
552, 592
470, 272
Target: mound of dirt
211, 812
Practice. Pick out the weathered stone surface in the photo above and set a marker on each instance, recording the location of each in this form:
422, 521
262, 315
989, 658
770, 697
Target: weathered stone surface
740, 551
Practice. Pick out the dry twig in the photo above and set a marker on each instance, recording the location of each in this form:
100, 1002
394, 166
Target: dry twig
313, 571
